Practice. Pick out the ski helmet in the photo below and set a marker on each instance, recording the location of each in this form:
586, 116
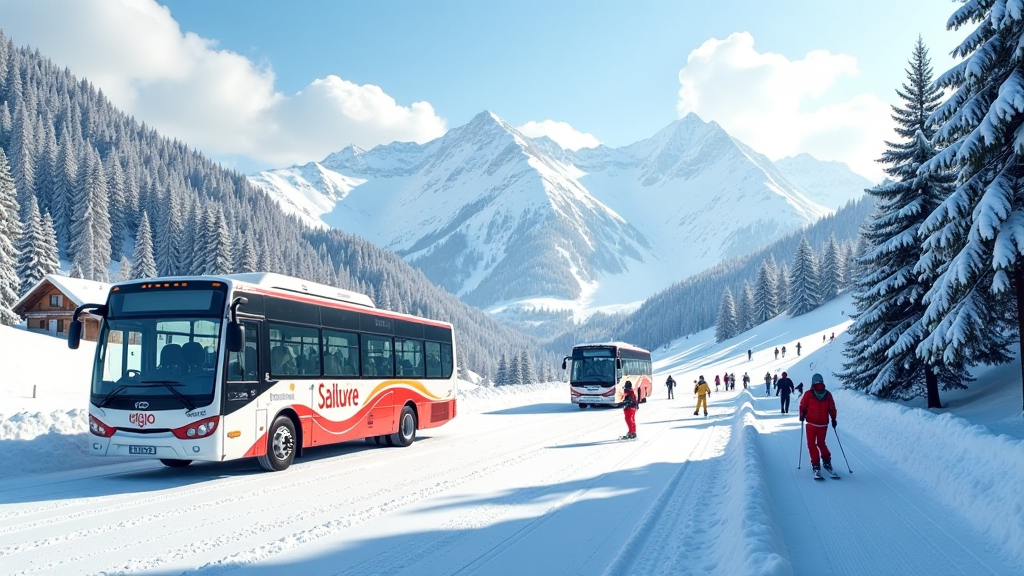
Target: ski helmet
816, 379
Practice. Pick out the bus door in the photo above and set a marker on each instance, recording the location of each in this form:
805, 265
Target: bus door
243, 384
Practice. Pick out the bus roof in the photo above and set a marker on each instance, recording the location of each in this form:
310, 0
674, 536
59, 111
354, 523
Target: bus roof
300, 286
611, 345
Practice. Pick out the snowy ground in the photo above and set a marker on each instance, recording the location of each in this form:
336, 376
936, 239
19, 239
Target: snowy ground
522, 482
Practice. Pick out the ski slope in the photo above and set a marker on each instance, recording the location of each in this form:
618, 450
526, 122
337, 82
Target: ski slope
522, 482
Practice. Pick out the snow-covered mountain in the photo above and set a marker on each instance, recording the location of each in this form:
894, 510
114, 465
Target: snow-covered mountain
499, 218
832, 184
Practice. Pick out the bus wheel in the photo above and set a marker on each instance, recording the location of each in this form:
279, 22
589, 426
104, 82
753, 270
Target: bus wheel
174, 463
583, 406
280, 445
406, 428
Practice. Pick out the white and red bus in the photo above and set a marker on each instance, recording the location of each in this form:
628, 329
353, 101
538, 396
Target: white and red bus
215, 368
599, 371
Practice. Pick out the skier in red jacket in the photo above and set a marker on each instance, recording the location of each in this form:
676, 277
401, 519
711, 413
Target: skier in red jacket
816, 407
630, 404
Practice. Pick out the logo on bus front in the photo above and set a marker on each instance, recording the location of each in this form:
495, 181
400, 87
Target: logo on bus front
141, 419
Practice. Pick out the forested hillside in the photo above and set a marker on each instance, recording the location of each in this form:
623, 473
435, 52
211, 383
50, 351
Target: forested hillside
97, 174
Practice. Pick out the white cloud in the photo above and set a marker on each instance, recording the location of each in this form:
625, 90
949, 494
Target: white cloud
561, 132
774, 104
214, 100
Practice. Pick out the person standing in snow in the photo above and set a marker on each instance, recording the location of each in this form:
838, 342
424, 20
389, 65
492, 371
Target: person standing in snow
797, 348
832, 338
767, 383
750, 355
732, 381
718, 382
776, 352
725, 381
775, 381
670, 383
746, 380
703, 392
629, 408
784, 389
816, 407
783, 351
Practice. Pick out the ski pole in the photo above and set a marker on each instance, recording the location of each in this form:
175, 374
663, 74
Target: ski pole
841, 450
800, 451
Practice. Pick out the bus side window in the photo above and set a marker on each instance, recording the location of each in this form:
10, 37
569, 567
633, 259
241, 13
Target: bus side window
242, 366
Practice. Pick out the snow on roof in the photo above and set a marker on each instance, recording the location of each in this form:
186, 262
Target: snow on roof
78, 290
616, 344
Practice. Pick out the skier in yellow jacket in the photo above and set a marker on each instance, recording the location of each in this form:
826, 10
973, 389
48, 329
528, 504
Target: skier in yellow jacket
703, 391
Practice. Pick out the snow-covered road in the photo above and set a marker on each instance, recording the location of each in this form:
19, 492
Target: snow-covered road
538, 488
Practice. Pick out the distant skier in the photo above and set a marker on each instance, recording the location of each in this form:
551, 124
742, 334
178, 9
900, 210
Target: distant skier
725, 380
797, 348
832, 338
776, 352
816, 407
783, 391
746, 380
750, 355
670, 383
767, 383
775, 381
629, 408
703, 391
732, 381
718, 382
823, 338
783, 351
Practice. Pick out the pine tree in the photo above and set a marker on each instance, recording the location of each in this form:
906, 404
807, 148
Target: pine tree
501, 377
526, 367
726, 327
143, 263
766, 299
745, 308
889, 295
972, 239
10, 228
30, 247
783, 289
49, 258
515, 371
831, 271
803, 282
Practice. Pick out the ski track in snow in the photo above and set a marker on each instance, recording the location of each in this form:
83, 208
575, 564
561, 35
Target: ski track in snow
694, 495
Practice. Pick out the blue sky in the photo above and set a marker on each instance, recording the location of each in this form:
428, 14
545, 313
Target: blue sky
785, 77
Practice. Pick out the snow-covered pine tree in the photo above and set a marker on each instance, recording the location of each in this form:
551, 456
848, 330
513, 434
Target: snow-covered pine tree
973, 239
515, 371
766, 299
49, 258
219, 249
526, 367
125, 270
10, 228
831, 271
783, 289
143, 263
30, 246
887, 328
116, 202
725, 326
803, 281
62, 200
745, 308
501, 376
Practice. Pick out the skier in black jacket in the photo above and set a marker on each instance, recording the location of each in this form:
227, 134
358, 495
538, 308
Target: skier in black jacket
783, 390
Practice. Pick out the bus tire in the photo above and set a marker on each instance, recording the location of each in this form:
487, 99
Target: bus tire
583, 406
406, 428
171, 463
280, 445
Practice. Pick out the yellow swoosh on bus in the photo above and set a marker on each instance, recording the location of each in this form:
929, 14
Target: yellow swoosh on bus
414, 385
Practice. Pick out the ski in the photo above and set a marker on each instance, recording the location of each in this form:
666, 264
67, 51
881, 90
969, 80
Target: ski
626, 438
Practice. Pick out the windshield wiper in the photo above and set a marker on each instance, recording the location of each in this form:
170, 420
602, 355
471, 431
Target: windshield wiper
113, 393
169, 384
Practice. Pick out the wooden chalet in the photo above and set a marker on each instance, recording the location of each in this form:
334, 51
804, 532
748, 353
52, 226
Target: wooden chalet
50, 305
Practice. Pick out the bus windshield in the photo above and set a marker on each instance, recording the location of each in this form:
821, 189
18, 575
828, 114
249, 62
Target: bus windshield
168, 362
593, 369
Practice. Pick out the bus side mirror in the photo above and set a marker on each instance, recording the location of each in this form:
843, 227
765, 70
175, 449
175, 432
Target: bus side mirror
74, 334
236, 337
563, 362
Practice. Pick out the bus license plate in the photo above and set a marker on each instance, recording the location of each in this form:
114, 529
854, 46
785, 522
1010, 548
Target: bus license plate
142, 450
588, 399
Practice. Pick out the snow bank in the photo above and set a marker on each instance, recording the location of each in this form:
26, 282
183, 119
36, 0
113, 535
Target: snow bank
749, 515
476, 399
976, 473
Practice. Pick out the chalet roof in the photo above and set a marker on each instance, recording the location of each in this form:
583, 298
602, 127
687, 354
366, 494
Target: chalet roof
78, 290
